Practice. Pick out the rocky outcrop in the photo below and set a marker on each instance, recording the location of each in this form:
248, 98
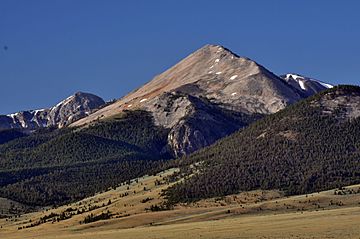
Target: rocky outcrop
67, 111
194, 122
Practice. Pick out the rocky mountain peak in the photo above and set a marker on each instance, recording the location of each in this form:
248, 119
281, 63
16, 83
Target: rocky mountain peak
218, 74
200, 98
305, 84
65, 112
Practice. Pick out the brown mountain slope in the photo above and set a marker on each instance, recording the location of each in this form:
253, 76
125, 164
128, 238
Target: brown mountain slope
206, 96
218, 74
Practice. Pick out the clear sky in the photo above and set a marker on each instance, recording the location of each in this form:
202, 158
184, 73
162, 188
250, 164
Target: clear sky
55, 48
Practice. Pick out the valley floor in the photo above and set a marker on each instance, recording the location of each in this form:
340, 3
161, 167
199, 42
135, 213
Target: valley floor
335, 223
256, 214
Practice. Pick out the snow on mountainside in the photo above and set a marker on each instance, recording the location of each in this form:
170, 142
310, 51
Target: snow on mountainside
305, 84
65, 112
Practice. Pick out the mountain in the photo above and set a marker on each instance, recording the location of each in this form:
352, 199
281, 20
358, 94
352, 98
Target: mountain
310, 146
180, 111
216, 73
305, 84
67, 111
206, 96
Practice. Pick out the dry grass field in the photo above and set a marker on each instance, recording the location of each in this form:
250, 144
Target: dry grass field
255, 214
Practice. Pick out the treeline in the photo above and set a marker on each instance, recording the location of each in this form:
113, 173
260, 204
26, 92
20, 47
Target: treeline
93, 218
301, 149
68, 184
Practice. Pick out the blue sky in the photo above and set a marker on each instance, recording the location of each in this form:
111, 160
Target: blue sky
108, 48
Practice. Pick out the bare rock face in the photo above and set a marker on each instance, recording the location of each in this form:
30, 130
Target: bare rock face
343, 103
73, 108
194, 122
67, 111
208, 95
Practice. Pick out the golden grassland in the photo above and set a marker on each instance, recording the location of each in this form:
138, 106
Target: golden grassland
255, 214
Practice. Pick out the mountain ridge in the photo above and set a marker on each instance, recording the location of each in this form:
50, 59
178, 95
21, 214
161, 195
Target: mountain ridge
62, 114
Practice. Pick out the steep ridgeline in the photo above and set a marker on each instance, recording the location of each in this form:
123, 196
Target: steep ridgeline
310, 146
207, 95
304, 84
67, 111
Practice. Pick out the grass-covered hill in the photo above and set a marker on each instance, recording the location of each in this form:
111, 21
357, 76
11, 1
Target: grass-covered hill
310, 146
56, 166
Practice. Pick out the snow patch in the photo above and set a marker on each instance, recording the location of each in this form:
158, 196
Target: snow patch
211, 67
233, 93
36, 111
129, 105
13, 115
217, 60
298, 78
295, 77
325, 84
142, 100
40, 110
64, 102
302, 85
233, 77
210, 72
218, 73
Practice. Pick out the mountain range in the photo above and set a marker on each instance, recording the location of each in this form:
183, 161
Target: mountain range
208, 95
83, 145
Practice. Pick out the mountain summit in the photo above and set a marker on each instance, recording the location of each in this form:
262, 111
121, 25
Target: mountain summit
206, 96
218, 74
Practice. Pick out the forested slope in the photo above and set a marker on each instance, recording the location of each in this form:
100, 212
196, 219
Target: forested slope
56, 166
310, 146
